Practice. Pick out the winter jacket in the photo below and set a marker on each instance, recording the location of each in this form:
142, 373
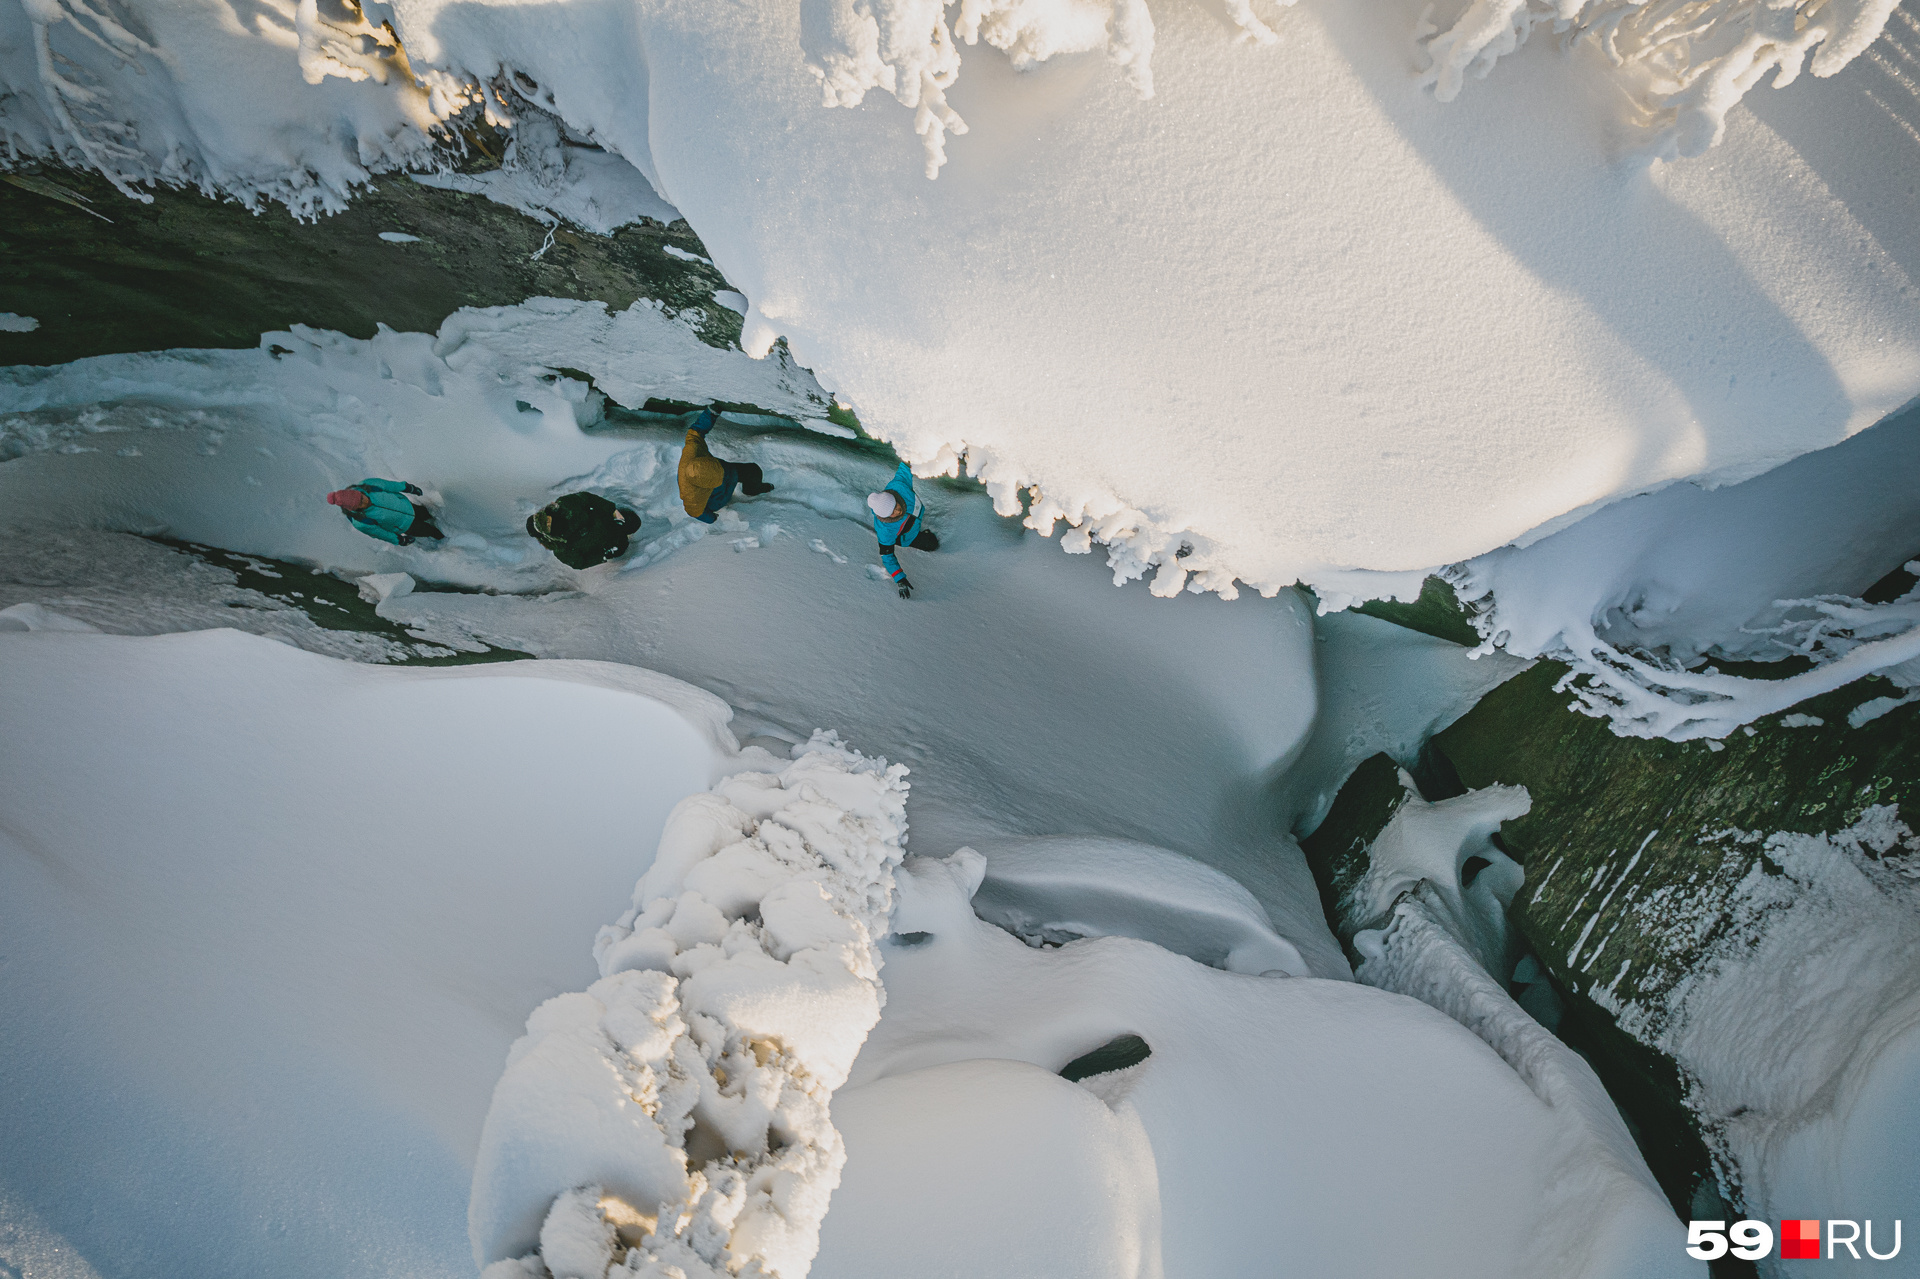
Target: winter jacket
388, 513
585, 530
899, 531
700, 471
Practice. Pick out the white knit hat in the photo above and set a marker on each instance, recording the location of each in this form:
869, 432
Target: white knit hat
883, 502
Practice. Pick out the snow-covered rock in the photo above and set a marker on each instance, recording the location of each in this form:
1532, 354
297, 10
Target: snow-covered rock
1160, 319
1469, 1169
673, 1118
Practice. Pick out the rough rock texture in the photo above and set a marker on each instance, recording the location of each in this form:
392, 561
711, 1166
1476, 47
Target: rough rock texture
106, 274
1617, 820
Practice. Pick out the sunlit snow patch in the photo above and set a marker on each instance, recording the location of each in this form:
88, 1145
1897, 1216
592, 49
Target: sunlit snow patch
672, 1119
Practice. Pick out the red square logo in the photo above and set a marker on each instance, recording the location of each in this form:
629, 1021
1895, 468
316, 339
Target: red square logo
1800, 1240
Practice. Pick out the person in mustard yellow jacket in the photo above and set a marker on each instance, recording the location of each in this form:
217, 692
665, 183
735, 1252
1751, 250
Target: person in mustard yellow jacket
707, 482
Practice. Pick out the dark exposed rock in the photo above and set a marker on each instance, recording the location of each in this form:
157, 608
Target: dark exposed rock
1338, 849
335, 604
1617, 821
1616, 818
1437, 613
1116, 1054
106, 274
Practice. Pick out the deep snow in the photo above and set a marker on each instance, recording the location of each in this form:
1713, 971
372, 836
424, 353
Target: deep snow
1297, 218
995, 684
1249, 268
271, 920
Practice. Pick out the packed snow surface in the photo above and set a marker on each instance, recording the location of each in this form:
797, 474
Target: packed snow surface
1000, 684
311, 902
1163, 317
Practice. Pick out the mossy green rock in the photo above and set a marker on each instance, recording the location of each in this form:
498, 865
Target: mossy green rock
105, 274
1437, 612
1617, 819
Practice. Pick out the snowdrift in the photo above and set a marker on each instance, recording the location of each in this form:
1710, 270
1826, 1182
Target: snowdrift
1132, 1171
272, 921
1200, 327
672, 1121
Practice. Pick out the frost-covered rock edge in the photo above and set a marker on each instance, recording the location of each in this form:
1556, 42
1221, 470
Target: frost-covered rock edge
1649, 695
1684, 65
673, 1119
1446, 942
1782, 1014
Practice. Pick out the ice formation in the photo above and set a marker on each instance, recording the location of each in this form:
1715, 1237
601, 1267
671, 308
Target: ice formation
1165, 411
1442, 937
672, 1120
296, 107
907, 48
1639, 598
1846, 638
1423, 854
1686, 64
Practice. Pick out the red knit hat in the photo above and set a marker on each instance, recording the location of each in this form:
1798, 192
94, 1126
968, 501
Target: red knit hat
351, 499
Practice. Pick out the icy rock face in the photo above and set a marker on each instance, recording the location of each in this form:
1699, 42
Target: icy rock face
1638, 597
672, 1119
1443, 938
1795, 1025
1744, 910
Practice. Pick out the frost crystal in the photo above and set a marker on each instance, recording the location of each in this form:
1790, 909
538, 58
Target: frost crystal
1686, 63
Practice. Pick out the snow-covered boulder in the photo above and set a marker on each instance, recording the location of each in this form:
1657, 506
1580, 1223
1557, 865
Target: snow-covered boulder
673, 1117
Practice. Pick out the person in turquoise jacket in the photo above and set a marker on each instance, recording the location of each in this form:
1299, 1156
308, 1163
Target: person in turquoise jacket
385, 509
896, 522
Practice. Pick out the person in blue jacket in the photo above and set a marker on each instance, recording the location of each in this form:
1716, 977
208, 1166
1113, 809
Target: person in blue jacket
385, 509
896, 522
